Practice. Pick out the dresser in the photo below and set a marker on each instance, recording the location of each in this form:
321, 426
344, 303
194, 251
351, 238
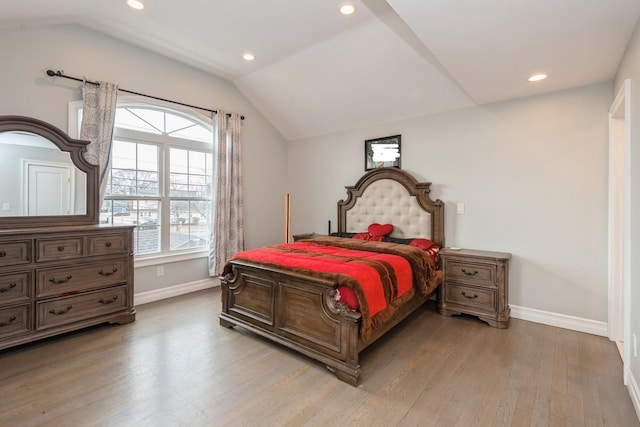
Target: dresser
60, 269
59, 279
475, 283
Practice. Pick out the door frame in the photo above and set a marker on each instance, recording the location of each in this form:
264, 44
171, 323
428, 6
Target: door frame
619, 259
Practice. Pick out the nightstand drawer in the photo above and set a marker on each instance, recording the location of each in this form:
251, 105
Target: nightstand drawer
466, 272
470, 296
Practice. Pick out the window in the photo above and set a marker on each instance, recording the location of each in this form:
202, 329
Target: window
160, 179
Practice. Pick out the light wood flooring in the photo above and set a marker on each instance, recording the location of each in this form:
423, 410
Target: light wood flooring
175, 366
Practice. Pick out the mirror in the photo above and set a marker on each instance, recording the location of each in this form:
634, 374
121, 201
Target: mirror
46, 180
38, 178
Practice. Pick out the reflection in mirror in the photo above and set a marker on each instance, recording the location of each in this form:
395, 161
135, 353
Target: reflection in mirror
38, 178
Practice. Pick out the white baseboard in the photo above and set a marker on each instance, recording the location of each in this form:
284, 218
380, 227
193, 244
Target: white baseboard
634, 391
560, 320
174, 291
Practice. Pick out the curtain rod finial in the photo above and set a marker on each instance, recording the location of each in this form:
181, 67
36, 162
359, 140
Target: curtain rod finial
53, 73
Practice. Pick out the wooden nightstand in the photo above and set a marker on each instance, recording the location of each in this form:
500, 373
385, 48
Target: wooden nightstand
297, 237
475, 283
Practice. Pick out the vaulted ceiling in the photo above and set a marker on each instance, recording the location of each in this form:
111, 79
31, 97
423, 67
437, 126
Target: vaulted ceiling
317, 71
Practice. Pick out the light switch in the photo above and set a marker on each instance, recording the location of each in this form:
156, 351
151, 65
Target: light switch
6, 206
460, 208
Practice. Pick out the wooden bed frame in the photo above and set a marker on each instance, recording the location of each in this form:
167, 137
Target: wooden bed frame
300, 312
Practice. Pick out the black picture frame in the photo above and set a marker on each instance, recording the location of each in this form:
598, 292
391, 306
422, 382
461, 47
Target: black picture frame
382, 152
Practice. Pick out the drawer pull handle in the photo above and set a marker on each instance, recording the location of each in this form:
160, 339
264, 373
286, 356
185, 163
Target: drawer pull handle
470, 273
60, 248
474, 296
59, 312
108, 301
106, 273
57, 282
3, 254
11, 286
108, 244
11, 320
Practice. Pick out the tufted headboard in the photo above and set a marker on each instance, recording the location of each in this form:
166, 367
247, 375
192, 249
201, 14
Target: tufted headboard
392, 196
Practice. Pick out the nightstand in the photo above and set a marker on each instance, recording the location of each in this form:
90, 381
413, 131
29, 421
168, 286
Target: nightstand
475, 283
297, 237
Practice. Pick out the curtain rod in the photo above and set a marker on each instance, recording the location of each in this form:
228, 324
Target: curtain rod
58, 73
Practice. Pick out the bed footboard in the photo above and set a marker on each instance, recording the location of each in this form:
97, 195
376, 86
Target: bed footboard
294, 310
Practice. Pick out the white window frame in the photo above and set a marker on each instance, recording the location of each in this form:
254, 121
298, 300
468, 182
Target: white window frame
162, 257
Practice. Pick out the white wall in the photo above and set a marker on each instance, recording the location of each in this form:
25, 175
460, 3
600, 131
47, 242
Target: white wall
531, 172
630, 69
26, 90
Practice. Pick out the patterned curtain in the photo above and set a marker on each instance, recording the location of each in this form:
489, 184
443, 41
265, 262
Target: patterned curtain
98, 117
227, 231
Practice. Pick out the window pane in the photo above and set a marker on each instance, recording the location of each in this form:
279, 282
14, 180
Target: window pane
175, 123
195, 133
189, 224
152, 117
197, 162
127, 120
179, 160
148, 157
189, 173
147, 236
123, 155
147, 184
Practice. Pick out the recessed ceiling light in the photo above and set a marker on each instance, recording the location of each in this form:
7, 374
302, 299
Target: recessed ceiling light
347, 9
248, 56
135, 4
537, 77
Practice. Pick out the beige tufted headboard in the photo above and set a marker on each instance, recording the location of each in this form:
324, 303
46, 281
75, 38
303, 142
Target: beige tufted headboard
392, 196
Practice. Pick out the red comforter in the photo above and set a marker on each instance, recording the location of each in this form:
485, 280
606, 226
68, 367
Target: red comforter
382, 275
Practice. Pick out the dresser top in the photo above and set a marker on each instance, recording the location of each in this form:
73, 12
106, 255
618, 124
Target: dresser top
63, 229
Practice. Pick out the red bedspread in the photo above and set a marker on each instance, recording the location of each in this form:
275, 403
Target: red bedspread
382, 275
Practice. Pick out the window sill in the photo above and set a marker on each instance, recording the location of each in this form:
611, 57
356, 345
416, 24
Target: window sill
147, 261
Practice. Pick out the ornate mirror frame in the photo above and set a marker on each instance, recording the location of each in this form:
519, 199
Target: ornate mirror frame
76, 149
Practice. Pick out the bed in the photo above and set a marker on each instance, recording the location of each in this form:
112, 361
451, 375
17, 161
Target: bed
269, 292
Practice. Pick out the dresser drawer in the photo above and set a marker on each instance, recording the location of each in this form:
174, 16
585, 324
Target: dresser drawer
107, 245
470, 296
58, 249
15, 287
468, 272
15, 253
61, 311
81, 277
15, 320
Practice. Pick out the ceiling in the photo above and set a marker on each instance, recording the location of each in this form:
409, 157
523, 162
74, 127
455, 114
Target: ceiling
318, 72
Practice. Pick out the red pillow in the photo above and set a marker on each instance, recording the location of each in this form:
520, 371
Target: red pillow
380, 230
361, 236
422, 243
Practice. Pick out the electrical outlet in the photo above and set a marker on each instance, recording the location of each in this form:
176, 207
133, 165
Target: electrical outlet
635, 346
6, 206
160, 271
460, 208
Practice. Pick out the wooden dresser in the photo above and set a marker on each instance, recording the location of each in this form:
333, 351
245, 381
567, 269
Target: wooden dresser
476, 283
59, 270
59, 279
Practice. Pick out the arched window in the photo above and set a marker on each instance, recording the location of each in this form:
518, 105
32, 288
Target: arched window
160, 178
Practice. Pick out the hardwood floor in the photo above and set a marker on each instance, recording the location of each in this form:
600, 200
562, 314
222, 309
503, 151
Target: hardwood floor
175, 366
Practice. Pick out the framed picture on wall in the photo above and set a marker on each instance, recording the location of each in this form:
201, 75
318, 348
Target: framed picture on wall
382, 152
